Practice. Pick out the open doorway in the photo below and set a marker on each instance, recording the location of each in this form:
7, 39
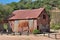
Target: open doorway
37, 27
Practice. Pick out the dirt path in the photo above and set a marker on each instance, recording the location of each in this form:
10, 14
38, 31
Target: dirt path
24, 37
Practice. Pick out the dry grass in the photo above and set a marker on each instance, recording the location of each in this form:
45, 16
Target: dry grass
24, 37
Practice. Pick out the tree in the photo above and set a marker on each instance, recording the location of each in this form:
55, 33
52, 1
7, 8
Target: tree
5, 10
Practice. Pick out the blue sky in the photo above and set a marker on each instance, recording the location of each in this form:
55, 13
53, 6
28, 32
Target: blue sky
7, 1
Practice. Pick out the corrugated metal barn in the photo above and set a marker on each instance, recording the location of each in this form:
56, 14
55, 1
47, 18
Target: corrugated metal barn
30, 20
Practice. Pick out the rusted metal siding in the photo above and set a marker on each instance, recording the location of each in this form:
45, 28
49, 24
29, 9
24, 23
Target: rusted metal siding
23, 24
17, 25
31, 25
11, 24
43, 23
16, 22
35, 24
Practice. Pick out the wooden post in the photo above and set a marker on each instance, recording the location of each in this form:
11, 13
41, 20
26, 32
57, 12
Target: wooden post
28, 28
44, 34
22, 31
55, 36
7, 31
48, 34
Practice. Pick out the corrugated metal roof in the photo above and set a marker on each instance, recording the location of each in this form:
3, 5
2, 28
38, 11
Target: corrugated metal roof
26, 14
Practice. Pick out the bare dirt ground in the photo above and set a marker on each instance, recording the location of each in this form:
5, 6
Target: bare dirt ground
24, 37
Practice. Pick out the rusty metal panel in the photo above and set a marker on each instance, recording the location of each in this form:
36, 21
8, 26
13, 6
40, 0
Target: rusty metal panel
35, 24
16, 25
23, 24
30, 23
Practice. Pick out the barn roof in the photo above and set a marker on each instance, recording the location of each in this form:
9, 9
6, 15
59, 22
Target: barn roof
26, 14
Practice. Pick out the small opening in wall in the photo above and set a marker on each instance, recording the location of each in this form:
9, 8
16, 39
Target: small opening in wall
44, 17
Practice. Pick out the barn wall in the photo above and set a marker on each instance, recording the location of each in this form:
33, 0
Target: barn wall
18, 24
23, 24
31, 25
35, 24
11, 25
43, 23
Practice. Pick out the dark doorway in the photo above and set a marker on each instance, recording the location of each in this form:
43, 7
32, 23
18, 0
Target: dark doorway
37, 27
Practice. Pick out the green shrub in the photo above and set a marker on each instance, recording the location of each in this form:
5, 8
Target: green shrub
36, 31
5, 26
52, 26
55, 26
